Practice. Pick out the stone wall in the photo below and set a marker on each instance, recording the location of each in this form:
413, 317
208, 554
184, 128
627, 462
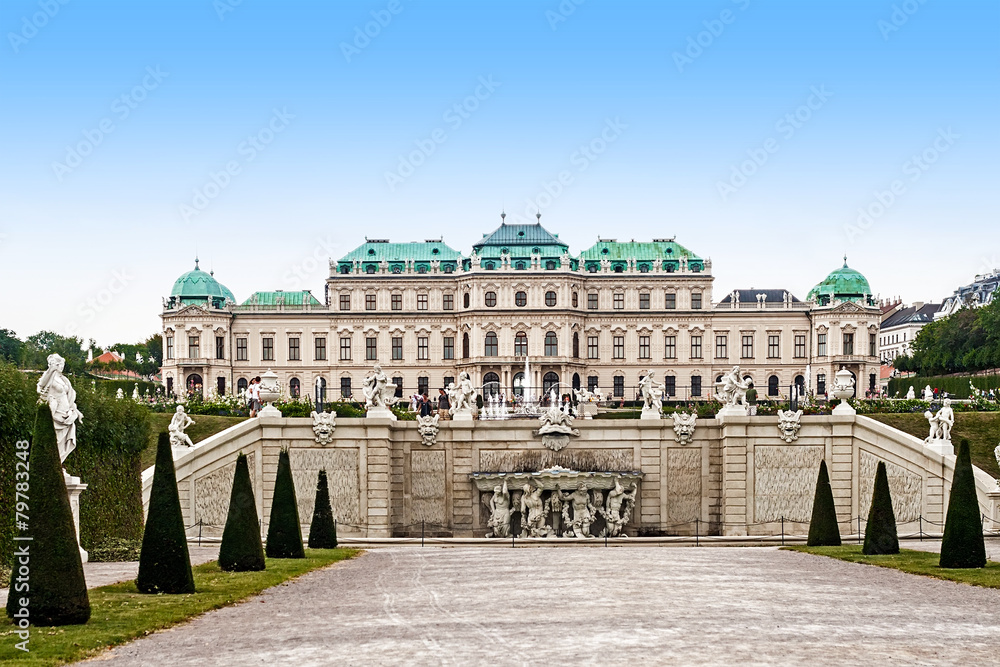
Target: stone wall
736, 477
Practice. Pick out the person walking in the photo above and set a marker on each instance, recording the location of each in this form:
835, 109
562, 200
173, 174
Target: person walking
751, 400
443, 404
425, 405
254, 396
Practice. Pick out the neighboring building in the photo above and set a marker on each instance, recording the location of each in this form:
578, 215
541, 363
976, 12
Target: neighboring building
598, 320
979, 293
900, 327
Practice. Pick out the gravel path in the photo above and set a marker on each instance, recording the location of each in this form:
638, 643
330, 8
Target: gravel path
435, 606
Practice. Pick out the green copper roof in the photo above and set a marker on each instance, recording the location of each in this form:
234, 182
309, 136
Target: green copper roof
645, 253
196, 286
521, 240
298, 298
844, 284
376, 251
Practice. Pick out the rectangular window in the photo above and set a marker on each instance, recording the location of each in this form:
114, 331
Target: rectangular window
696, 385
448, 380
293, 349
241, 349
872, 347
345, 301
821, 383
220, 347
722, 347
449, 348
671, 301
800, 346
397, 348
619, 386
591, 383
670, 347
773, 346
267, 349
397, 301
619, 301
644, 301
371, 301
592, 347
618, 347
398, 381
194, 347
170, 346
448, 302
345, 387
592, 300
320, 349
422, 351
696, 347
821, 346
345, 349
747, 351
644, 347
848, 344
371, 349
696, 301
421, 302
423, 383
670, 386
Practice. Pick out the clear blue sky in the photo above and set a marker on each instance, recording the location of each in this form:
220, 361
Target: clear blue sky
333, 114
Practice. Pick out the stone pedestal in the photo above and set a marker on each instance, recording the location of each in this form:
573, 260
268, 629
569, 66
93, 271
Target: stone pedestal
75, 488
651, 413
844, 409
269, 411
587, 410
731, 411
938, 446
461, 416
380, 413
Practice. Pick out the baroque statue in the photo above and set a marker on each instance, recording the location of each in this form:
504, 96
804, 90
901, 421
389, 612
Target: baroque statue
578, 510
652, 396
732, 390
323, 425
941, 423
54, 388
618, 510
178, 423
462, 395
533, 512
499, 505
377, 390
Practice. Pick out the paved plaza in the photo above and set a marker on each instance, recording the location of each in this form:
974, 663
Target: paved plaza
436, 606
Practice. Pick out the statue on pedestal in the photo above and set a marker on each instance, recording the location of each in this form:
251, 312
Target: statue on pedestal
463, 395
180, 421
499, 504
928, 394
652, 395
377, 390
941, 423
54, 388
910, 394
732, 390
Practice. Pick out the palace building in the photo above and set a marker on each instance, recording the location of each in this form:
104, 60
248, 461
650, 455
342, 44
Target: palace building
598, 320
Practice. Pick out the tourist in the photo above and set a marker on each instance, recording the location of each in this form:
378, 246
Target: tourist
254, 390
751, 399
443, 404
425, 405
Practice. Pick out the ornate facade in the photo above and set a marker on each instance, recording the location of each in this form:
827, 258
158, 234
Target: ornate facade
597, 320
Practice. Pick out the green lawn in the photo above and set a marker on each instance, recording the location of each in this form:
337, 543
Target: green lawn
981, 428
204, 426
915, 562
119, 613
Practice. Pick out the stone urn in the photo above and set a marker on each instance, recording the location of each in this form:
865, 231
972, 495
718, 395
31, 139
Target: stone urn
843, 388
270, 391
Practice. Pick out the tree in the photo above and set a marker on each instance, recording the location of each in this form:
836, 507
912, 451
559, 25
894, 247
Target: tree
823, 529
241, 550
284, 532
10, 346
963, 544
322, 530
57, 590
880, 532
39, 346
164, 563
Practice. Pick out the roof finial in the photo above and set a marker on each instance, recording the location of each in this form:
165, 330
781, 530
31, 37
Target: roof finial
196, 262
503, 215
845, 260
538, 217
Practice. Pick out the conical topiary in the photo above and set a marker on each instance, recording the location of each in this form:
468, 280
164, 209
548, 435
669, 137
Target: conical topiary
880, 532
963, 544
164, 563
823, 529
241, 550
322, 530
52, 580
284, 533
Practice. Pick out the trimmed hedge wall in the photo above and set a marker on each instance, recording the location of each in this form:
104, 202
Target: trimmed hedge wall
957, 386
111, 386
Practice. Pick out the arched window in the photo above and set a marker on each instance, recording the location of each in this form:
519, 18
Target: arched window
465, 345
491, 384
576, 299
370, 268
322, 388
550, 381
551, 345
241, 385
772, 385
489, 266
520, 344
800, 384
491, 299
465, 300
521, 299
492, 347
550, 266
294, 388
576, 380
518, 384
194, 383
520, 266
550, 299
576, 346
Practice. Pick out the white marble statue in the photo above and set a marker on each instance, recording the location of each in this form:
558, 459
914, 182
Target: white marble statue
135, 393
789, 424
941, 423
928, 393
178, 423
377, 390
910, 393
618, 510
427, 426
732, 390
56, 390
533, 512
120, 394
577, 510
684, 425
499, 505
324, 424
652, 395
462, 395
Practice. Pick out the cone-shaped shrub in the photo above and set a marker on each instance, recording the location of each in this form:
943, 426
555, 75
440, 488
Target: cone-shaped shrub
57, 590
164, 563
322, 530
963, 544
880, 533
823, 529
241, 550
284, 533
